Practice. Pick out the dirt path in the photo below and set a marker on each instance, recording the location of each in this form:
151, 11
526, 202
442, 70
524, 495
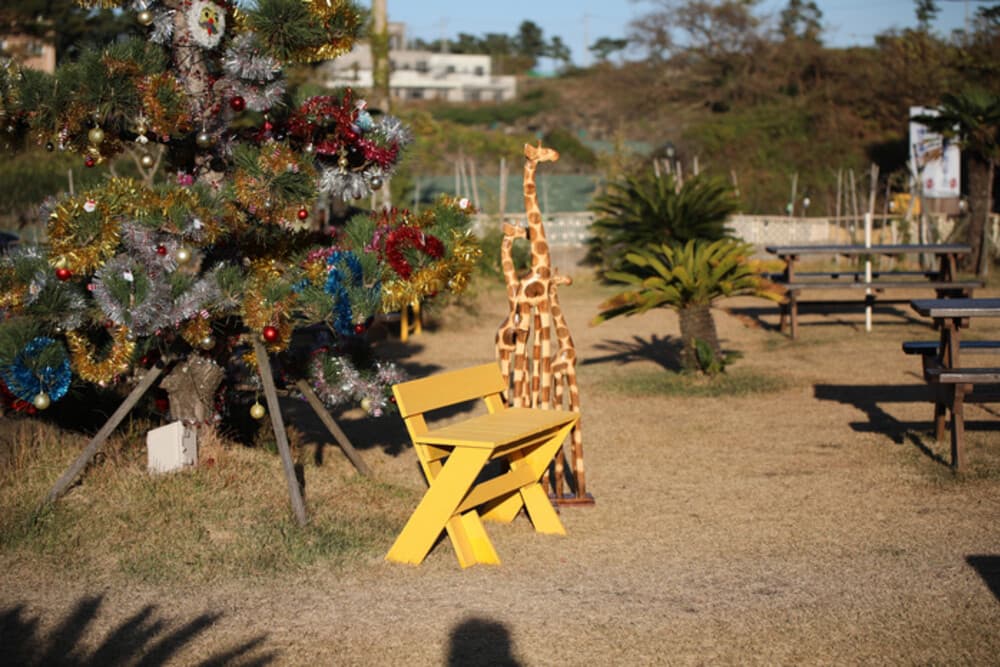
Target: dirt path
803, 526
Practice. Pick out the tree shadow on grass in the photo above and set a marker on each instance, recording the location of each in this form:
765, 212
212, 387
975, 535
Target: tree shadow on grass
480, 641
870, 400
143, 639
988, 567
664, 351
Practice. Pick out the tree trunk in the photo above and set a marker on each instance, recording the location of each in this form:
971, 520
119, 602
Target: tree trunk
697, 324
979, 211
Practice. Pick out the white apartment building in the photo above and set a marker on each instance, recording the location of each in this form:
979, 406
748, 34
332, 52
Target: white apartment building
422, 75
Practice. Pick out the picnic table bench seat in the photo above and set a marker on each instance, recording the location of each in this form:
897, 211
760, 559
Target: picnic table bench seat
933, 347
522, 440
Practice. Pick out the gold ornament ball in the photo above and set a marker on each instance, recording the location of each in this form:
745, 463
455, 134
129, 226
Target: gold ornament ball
183, 255
204, 139
366, 404
145, 17
147, 161
257, 411
207, 343
96, 136
41, 401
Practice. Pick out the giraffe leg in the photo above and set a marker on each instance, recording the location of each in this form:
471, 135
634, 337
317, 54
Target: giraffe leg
522, 385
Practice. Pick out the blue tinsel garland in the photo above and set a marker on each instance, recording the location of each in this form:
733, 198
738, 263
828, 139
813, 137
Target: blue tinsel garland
26, 383
343, 322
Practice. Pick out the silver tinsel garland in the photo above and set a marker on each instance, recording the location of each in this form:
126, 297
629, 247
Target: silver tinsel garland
132, 293
251, 74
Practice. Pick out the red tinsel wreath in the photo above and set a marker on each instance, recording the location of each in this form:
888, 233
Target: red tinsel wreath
332, 117
9, 400
410, 237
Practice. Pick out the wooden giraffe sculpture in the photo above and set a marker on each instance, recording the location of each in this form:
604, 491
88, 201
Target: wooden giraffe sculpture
539, 377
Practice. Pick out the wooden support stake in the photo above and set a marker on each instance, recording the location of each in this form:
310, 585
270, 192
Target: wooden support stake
90, 450
331, 425
271, 395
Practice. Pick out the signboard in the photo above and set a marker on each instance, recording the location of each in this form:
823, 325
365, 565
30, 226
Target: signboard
937, 164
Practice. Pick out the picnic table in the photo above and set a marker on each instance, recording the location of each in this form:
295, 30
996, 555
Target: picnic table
941, 279
942, 365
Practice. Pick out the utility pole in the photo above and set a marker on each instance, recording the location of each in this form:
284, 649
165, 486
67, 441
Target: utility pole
380, 71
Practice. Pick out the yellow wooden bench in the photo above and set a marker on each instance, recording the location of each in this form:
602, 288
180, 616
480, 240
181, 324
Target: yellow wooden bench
453, 457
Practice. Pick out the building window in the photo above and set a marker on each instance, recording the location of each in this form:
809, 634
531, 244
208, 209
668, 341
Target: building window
422, 66
480, 71
417, 94
472, 96
450, 69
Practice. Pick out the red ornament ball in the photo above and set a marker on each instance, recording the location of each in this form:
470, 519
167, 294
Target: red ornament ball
63, 274
303, 213
89, 161
359, 329
237, 103
161, 250
270, 334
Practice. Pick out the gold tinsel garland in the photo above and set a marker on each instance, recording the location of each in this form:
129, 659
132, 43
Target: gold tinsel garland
260, 312
11, 292
71, 246
117, 361
195, 330
165, 119
253, 190
324, 12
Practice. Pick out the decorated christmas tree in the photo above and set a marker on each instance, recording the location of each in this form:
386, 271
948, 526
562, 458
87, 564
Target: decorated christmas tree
209, 248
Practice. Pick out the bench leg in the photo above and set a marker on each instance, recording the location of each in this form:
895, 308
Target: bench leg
793, 310
941, 403
436, 512
958, 426
532, 496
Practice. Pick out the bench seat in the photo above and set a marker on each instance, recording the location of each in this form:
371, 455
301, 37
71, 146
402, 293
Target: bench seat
790, 306
932, 347
956, 285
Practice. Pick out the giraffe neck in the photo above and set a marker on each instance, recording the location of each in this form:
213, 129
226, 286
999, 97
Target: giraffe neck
536, 232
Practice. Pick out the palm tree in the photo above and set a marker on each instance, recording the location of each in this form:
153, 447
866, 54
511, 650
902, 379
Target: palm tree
688, 278
972, 118
655, 208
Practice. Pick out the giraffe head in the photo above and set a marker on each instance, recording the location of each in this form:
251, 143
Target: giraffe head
539, 153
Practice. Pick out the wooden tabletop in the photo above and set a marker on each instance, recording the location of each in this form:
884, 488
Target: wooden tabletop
959, 307
880, 249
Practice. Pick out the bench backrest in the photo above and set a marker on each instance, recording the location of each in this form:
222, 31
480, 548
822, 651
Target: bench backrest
416, 397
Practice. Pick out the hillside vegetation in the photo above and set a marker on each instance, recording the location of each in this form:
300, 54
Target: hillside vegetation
755, 101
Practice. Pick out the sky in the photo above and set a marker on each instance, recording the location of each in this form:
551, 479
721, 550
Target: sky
581, 22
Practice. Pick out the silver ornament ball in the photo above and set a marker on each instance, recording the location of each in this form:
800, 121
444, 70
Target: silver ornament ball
147, 161
204, 139
183, 255
42, 401
375, 183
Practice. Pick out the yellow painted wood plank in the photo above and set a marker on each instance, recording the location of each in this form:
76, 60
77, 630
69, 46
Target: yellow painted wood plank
498, 428
498, 486
437, 391
437, 506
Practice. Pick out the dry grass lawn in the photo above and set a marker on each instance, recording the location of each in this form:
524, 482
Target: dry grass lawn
808, 519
